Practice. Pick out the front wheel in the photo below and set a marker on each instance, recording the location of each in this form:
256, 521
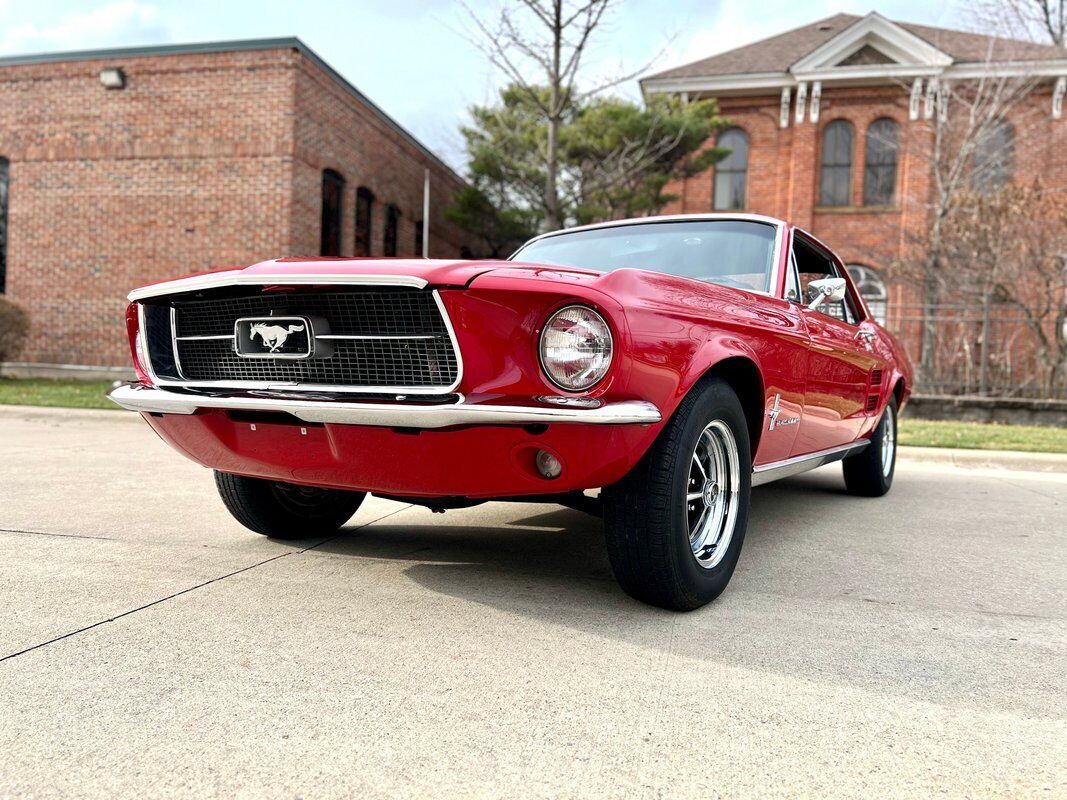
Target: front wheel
675, 524
286, 510
869, 473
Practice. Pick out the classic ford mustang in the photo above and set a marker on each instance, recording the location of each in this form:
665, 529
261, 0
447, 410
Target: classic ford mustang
670, 362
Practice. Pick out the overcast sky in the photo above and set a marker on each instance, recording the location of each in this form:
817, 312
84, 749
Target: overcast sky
412, 57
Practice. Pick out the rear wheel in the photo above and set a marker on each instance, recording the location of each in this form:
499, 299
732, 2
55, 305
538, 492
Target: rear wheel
675, 525
286, 510
869, 473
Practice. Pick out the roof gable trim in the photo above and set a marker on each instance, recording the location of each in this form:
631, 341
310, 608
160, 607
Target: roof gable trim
874, 30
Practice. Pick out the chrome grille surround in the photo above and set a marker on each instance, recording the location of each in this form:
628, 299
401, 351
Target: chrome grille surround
408, 350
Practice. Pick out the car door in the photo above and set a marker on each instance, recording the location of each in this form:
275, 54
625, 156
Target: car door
841, 362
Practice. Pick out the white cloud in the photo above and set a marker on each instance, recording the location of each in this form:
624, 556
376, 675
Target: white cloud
117, 23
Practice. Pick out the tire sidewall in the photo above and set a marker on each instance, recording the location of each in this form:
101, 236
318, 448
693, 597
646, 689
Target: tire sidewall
890, 416
716, 402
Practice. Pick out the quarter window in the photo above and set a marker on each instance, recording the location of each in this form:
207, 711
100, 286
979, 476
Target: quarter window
392, 224
872, 288
880, 167
732, 172
333, 190
5, 171
835, 185
364, 215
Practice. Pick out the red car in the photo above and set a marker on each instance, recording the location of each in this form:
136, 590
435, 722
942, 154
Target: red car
671, 362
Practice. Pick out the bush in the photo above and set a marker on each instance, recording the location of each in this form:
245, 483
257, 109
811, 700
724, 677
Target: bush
14, 325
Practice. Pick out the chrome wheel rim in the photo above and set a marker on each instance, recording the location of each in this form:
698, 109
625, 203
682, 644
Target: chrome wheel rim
889, 442
711, 494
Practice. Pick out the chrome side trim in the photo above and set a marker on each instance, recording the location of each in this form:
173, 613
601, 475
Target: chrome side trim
313, 387
765, 473
218, 280
371, 338
146, 399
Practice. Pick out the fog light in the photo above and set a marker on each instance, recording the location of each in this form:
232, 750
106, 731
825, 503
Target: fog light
548, 465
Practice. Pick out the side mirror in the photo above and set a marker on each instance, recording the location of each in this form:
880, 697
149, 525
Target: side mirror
830, 290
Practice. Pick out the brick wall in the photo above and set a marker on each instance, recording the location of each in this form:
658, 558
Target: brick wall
204, 160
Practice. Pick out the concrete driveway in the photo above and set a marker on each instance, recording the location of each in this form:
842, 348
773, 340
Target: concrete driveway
911, 645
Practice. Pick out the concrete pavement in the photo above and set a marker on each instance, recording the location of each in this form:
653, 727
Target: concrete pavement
915, 644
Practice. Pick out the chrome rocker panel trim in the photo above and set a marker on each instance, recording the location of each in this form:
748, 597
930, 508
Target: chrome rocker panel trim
149, 400
765, 473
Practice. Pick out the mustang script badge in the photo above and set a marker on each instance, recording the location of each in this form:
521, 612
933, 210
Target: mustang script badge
273, 337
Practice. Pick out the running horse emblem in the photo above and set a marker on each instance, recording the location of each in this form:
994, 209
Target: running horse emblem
273, 336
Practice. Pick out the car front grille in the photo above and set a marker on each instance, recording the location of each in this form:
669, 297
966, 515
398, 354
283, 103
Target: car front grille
366, 339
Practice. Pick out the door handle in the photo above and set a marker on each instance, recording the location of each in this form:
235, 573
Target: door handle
866, 336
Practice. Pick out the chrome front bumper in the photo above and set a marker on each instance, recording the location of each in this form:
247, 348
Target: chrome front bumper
149, 400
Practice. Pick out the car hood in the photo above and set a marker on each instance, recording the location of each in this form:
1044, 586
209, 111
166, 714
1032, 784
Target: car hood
417, 271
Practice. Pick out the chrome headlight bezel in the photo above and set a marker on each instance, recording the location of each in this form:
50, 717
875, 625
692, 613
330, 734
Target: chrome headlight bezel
549, 365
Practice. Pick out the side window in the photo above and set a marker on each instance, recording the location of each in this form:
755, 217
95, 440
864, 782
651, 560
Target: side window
812, 265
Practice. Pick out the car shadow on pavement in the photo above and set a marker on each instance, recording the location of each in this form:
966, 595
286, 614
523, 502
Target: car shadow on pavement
800, 603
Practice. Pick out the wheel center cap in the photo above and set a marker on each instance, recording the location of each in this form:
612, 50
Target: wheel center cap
711, 491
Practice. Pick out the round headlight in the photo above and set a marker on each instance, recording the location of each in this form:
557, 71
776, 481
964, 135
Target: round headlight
576, 348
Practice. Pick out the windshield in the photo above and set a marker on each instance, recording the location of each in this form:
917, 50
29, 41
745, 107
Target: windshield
729, 252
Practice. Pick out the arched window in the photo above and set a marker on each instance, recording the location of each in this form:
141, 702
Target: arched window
994, 157
732, 171
392, 225
364, 215
880, 164
333, 192
4, 178
835, 184
871, 286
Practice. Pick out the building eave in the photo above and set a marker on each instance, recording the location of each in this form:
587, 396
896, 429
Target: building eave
771, 83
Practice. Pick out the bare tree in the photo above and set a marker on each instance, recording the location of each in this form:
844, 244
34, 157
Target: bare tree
539, 46
1038, 20
968, 146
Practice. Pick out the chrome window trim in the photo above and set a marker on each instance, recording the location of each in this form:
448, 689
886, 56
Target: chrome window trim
149, 400
776, 256
307, 387
765, 473
218, 280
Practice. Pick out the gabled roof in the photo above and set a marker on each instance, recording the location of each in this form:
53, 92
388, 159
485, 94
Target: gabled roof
779, 53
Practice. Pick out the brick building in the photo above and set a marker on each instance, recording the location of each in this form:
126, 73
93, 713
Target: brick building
831, 126
126, 166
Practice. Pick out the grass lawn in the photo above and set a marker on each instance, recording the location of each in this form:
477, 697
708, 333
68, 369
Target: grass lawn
976, 436
65, 393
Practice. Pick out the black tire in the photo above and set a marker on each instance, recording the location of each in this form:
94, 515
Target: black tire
647, 517
286, 510
865, 473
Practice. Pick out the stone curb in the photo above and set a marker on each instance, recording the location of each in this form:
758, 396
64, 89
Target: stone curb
988, 459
